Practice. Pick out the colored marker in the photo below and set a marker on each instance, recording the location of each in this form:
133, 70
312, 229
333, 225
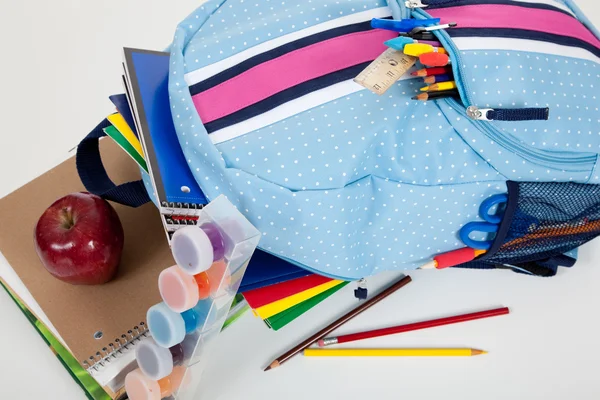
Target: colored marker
437, 78
437, 87
436, 95
404, 25
401, 41
417, 49
434, 59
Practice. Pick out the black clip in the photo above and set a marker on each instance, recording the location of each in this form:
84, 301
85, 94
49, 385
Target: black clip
361, 292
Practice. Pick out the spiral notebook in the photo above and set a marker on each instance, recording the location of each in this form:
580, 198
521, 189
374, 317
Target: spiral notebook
97, 324
178, 193
179, 196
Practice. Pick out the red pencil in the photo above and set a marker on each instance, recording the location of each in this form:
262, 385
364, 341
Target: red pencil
432, 71
413, 327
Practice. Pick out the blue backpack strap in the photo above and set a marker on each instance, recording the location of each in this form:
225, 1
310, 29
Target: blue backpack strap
94, 177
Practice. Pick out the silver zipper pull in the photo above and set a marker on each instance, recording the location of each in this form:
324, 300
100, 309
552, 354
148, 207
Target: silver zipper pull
478, 113
414, 4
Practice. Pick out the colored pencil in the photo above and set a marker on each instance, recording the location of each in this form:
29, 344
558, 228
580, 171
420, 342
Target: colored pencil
339, 322
437, 78
453, 258
393, 352
413, 327
432, 71
436, 95
438, 87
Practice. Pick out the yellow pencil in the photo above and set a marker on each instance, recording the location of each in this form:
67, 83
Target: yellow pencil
392, 352
436, 87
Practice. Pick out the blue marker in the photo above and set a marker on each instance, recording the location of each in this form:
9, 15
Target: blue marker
404, 25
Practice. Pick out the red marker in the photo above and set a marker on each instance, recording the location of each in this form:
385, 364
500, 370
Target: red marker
434, 59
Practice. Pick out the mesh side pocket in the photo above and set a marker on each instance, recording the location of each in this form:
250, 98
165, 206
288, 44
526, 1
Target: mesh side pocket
542, 222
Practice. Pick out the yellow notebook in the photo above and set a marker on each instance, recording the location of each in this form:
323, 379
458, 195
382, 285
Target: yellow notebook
119, 122
268, 310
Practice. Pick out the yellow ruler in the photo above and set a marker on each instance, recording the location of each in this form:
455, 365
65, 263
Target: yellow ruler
385, 70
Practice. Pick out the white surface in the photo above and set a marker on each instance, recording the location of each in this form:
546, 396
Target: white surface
67, 55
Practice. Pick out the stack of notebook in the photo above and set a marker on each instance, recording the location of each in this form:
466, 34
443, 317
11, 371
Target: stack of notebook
278, 305
143, 127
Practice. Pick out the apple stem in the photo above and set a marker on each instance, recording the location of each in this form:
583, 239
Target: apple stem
67, 219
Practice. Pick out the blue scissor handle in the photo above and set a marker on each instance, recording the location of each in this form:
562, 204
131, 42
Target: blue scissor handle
486, 206
471, 227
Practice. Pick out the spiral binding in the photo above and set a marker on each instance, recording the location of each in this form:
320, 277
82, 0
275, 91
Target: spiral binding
178, 215
126, 342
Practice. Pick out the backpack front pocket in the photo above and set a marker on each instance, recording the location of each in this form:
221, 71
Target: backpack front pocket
512, 157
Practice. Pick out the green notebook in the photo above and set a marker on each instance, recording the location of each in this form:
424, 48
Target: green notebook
115, 135
280, 320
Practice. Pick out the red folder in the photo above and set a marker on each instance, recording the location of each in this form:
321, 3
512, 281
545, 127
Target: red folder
262, 296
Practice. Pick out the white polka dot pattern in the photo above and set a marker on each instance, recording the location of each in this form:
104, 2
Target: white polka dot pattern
366, 183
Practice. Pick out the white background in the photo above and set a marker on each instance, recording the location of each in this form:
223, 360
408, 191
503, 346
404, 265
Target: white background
62, 59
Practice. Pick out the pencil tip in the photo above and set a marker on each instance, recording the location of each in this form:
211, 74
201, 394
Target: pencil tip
273, 365
475, 352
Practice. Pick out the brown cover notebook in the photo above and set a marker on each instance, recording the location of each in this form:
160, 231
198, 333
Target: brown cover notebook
79, 312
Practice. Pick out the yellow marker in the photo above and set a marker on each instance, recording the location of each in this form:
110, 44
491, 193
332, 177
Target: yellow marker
392, 352
436, 87
119, 122
416, 49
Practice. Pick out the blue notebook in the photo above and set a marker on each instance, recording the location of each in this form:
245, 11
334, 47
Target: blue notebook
146, 76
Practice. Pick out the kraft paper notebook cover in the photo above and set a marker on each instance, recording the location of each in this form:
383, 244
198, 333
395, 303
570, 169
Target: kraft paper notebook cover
77, 313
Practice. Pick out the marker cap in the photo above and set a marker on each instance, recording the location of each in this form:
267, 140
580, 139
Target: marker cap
154, 361
178, 289
141, 387
192, 249
165, 325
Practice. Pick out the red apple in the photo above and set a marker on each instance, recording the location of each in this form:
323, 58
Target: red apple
79, 239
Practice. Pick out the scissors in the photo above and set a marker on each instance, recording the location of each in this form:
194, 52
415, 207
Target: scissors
491, 224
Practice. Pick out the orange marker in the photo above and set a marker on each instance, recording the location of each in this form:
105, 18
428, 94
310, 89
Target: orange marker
434, 59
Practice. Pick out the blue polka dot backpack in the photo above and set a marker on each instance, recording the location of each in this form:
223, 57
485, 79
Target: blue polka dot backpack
348, 183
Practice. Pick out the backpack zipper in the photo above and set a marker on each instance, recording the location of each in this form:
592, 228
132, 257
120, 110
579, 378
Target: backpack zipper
486, 114
513, 145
